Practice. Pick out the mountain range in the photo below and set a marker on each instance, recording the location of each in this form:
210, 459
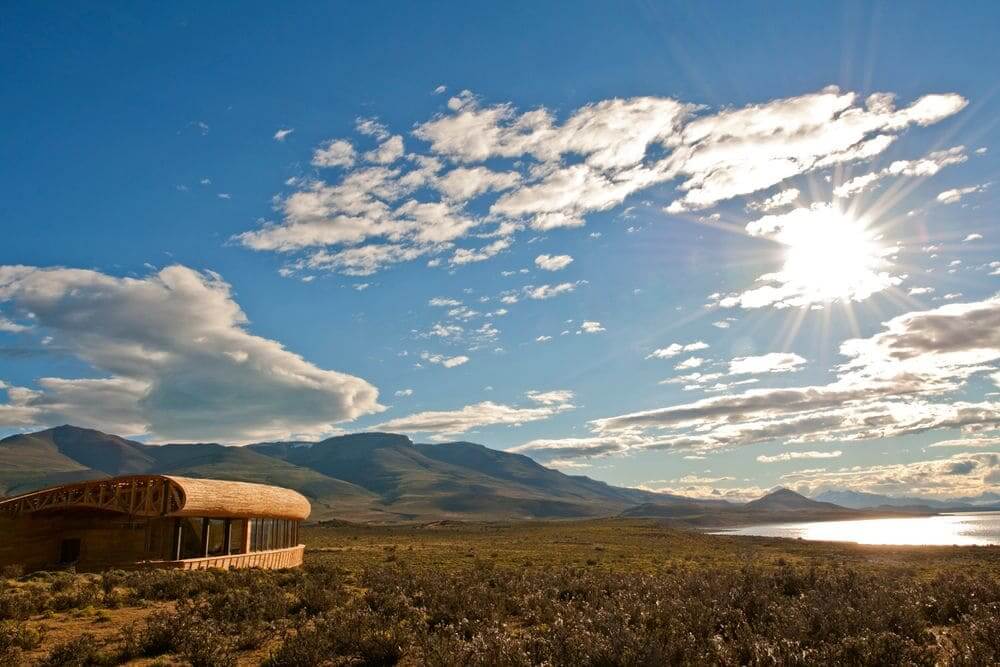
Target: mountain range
385, 477
362, 477
863, 500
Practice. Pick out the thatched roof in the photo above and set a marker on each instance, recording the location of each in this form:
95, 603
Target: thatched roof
166, 495
219, 498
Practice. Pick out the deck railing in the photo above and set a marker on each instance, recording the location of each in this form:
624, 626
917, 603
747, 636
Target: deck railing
271, 559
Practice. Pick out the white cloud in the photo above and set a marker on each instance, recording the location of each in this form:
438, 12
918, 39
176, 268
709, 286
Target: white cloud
403, 392
553, 262
674, 349
564, 448
281, 134
371, 127
554, 220
795, 456
385, 211
442, 302
918, 291
387, 152
972, 237
175, 361
902, 380
969, 443
442, 360
690, 362
552, 397
773, 362
548, 291
478, 415
465, 183
12, 327
334, 153
924, 167
466, 256
965, 474
543, 339
779, 200
589, 326
740, 151
955, 195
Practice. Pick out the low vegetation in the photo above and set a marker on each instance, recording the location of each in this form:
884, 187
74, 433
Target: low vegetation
592, 593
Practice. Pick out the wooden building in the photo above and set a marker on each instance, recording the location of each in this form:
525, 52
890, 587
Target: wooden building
155, 521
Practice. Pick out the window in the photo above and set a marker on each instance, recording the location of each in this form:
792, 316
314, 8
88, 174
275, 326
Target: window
238, 532
188, 538
216, 537
266, 534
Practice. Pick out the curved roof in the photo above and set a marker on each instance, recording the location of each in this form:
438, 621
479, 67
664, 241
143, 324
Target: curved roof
166, 495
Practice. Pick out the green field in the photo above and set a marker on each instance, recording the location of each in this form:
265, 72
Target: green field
609, 592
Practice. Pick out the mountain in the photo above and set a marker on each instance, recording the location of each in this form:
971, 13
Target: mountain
786, 500
779, 505
863, 500
65, 454
364, 476
240, 464
385, 477
454, 480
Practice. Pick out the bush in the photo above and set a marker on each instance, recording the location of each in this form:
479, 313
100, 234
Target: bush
14, 638
83, 651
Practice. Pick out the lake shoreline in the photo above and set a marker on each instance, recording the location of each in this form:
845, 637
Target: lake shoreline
938, 529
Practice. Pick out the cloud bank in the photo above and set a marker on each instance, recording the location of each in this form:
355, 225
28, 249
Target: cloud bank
173, 360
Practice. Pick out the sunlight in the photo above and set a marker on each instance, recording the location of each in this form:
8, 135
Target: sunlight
832, 257
977, 528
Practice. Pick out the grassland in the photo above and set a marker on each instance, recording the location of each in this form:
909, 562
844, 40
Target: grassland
611, 592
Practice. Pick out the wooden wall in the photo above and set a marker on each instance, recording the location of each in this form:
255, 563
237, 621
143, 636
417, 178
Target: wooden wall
110, 539
34, 541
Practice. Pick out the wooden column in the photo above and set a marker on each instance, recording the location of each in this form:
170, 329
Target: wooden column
229, 537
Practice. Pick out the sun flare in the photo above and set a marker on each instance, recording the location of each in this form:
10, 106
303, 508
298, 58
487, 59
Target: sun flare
832, 256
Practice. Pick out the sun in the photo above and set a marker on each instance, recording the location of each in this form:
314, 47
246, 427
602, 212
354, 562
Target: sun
832, 256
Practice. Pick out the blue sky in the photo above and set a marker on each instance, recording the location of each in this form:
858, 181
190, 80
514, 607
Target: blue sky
603, 235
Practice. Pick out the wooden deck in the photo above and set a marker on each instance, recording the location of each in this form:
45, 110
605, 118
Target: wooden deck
273, 559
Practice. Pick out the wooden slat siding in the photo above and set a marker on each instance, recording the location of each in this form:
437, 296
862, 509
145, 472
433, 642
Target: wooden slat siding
189, 497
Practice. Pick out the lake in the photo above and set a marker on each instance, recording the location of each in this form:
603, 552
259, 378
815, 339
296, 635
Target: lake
967, 528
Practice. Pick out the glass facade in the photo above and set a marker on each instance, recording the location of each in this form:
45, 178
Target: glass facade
201, 537
268, 534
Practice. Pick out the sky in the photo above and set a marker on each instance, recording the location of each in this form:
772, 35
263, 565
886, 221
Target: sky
704, 249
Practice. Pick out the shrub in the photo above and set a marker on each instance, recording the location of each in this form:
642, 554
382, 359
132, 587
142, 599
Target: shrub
83, 651
14, 638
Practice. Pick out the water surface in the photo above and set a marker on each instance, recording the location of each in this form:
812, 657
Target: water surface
967, 528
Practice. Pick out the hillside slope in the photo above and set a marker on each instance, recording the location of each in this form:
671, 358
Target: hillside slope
361, 477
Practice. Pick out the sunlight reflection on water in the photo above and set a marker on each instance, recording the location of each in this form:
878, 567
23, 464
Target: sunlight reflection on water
971, 528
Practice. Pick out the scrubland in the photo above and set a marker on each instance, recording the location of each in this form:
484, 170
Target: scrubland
573, 593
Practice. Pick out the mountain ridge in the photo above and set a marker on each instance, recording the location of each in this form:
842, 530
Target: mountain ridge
386, 477
366, 476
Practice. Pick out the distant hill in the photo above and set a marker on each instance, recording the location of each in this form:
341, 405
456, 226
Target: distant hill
385, 477
454, 480
361, 477
777, 506
786, 500
863, 500
64, 454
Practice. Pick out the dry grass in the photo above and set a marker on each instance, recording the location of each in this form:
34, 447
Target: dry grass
579, 593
